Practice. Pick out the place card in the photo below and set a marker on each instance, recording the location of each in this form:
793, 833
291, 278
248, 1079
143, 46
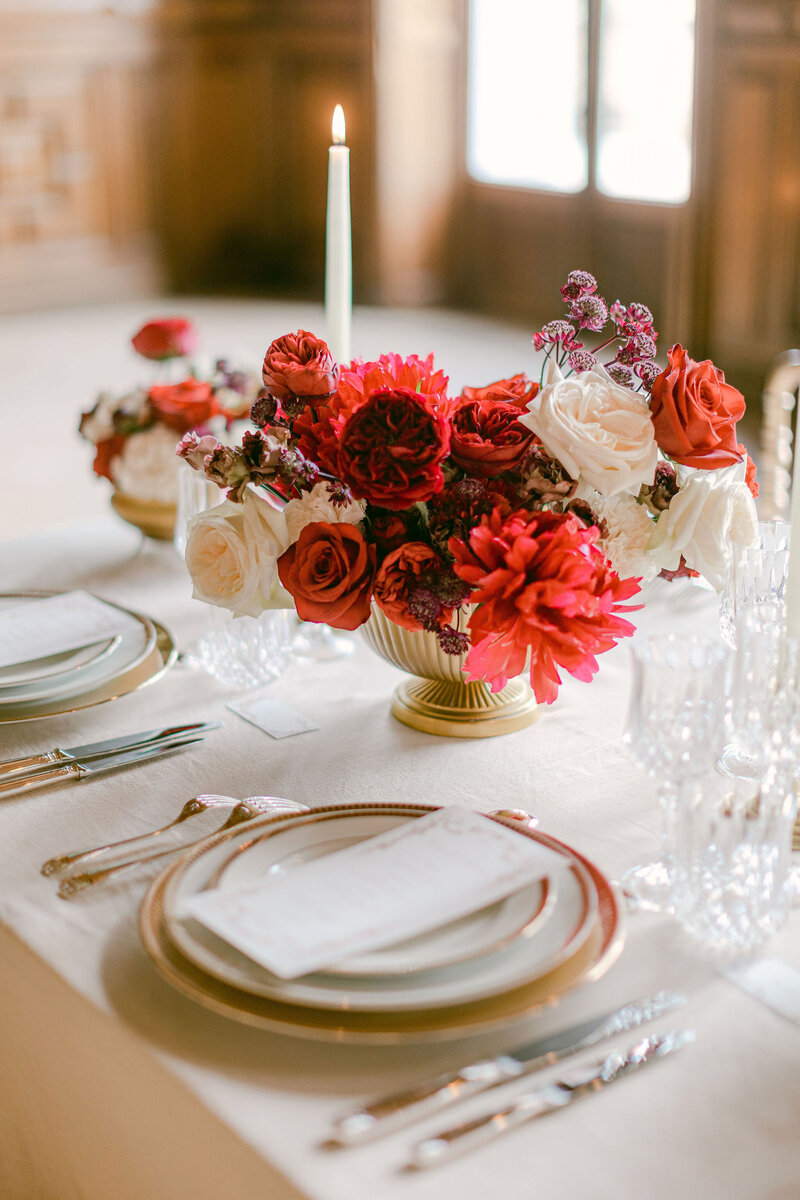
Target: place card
414, 878
37, 629
272, 716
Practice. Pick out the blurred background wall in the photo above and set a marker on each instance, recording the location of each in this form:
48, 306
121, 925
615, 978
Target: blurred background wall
181, 146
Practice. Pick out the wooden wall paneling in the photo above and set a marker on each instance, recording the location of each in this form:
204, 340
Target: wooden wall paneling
73, 215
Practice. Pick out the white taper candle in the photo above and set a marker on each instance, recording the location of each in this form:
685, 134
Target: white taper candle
338, 250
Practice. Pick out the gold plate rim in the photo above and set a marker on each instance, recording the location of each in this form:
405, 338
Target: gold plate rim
157, 661
182, 941
590, 962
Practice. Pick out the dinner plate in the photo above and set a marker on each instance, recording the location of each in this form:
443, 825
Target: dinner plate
160, 656
505, 1011
471, 936
131, 647
53, 665
517, 962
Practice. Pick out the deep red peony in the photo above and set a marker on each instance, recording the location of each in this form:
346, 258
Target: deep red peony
329, 572
170, 337
185, 405
546, 598
695, 413
315, 427
487, 438
391, 448
517, 390
299, 366
402, 591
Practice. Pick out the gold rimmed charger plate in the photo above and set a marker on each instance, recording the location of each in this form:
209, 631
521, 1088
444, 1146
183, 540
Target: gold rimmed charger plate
592, 959
158, 658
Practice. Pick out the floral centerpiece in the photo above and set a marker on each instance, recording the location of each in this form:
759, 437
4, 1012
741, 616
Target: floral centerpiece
135, 433
507, 526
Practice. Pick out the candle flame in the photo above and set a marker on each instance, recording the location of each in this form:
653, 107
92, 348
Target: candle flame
337, 126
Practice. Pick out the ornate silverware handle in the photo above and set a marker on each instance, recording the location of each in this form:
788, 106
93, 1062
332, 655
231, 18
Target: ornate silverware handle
11, 787
18, 766
395, 1111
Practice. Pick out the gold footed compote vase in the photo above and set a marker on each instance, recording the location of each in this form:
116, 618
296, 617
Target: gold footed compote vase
438, 699
154, 519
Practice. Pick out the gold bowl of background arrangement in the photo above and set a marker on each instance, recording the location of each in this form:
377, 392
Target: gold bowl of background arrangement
439, 700
156, 520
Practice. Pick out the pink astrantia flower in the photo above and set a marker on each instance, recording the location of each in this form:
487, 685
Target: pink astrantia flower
546, 599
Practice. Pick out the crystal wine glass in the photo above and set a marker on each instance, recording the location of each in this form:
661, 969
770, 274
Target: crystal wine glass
675, 728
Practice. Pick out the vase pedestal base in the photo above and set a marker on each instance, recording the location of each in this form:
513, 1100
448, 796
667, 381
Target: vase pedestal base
468, 710
154, 519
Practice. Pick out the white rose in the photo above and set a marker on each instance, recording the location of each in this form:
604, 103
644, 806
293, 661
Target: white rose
712, 510
232, 552
317, 505
599, 431
628, 526
147, 467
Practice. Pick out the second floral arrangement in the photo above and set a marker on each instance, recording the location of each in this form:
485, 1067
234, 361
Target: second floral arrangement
513, 521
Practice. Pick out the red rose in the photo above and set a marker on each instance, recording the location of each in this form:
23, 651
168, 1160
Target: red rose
104, 452
545, 597
695, 413
402, 591
392, 447
171, 337
518, 390
185, 405
329, 572
299, 365
487, 439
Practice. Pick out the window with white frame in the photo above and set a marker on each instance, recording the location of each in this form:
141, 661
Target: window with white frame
530, 102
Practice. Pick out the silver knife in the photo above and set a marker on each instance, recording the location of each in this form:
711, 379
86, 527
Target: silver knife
13, 768
402, 1108
67, 772
581, 1081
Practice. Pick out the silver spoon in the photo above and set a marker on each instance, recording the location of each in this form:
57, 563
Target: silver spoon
245, 810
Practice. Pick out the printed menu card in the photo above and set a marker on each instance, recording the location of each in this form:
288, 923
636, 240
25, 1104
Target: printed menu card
415, 877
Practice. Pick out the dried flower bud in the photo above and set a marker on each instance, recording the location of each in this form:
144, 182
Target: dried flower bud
578, 283
452, 641
620, 373
264, 411
194, 450
591, 312
582, 360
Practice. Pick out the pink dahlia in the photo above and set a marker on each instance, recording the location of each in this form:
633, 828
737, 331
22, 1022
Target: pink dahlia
546, 598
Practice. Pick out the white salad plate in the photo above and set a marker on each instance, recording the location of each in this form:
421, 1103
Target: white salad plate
53, 666
90, 669
567, 902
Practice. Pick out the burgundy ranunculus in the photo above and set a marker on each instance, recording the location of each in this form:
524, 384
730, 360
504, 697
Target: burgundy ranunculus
391, 449
299, 366
328, 572
487, 439
169, 337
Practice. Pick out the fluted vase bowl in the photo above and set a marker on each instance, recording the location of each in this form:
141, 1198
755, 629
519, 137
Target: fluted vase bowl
438, 699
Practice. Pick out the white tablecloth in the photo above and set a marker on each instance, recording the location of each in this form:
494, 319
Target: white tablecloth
114, 1085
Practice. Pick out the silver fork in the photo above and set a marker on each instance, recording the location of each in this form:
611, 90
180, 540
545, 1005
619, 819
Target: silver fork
245, 810
191, 808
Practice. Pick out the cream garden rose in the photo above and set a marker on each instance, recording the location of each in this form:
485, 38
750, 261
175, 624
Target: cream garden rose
231, 553
711, 510
599, 431
317, 505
